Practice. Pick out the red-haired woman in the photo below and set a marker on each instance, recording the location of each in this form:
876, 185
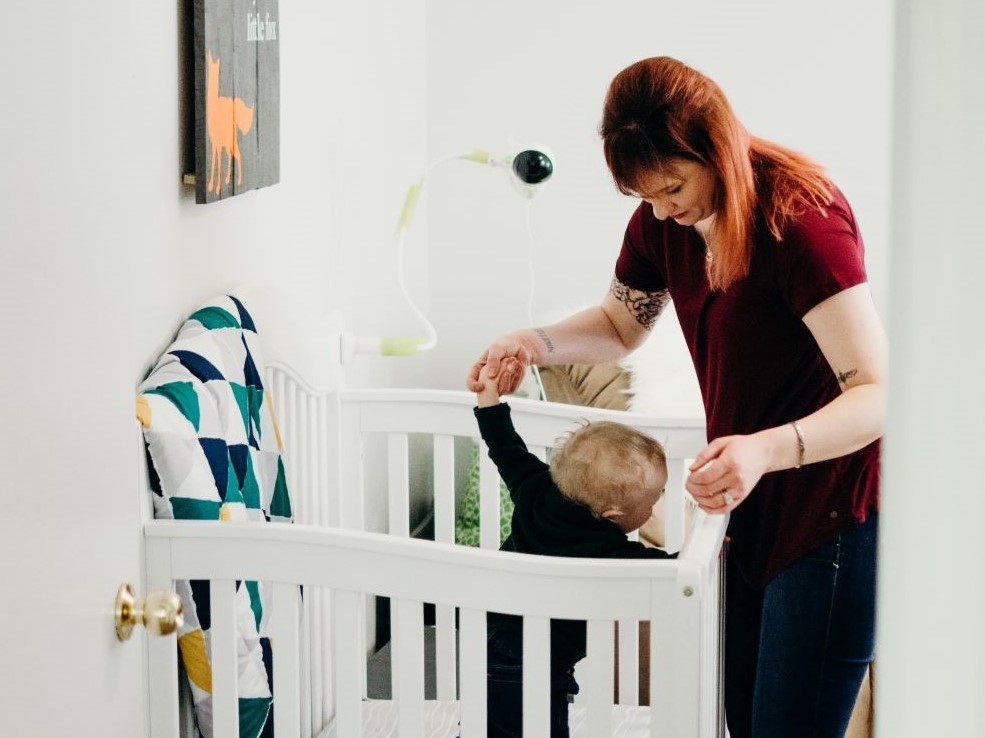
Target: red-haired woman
763, 260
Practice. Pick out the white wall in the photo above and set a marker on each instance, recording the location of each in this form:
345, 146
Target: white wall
352, 114
931, 677
104, 251
814, 77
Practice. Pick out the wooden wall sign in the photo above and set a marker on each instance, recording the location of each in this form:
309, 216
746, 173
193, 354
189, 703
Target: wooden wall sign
237, 97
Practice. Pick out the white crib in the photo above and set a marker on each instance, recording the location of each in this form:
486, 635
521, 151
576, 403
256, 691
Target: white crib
321, 640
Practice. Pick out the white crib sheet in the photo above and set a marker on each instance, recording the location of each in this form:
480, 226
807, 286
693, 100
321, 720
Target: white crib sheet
441, 720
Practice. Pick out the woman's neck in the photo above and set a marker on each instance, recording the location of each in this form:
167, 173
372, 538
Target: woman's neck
704, 229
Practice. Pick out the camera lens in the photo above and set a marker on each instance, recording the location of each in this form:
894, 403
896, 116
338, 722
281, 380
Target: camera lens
533, 167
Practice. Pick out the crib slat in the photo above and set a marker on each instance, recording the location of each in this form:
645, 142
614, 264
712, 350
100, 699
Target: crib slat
443, 448
398, 483
444, 488
311, 455
472, 637
277, 384
360, 635
331, 455
293, 431
536, 675
286, 652
488, 500
313, 496
629, 673
325, 654
348, 655
307, 658
444, 530
444, 652
319, 635
225, 705
598, 684
302, 443
408, 667
314, 458
673, 501
349, 468
320, 653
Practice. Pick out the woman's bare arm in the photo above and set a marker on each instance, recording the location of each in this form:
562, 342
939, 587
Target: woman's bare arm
601, 333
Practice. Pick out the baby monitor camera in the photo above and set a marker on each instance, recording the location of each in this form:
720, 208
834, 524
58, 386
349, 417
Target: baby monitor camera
533, 166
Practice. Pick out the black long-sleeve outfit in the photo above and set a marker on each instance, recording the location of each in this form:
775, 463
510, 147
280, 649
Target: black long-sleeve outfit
548, 523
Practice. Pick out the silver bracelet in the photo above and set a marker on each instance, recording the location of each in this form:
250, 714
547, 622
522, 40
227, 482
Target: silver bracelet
801, 447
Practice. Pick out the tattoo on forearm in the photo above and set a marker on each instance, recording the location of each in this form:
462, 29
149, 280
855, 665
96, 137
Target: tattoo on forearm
644, 306
546, 339
843, 377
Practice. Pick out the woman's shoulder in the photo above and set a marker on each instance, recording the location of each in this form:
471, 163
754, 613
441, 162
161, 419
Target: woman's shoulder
821, 252
819, 219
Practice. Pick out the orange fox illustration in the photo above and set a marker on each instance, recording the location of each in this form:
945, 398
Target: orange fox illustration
224, 116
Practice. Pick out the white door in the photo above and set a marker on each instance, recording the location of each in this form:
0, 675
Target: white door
69, 521
69, 538
69, 513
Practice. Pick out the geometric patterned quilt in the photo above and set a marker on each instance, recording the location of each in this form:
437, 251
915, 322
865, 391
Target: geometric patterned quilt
215, 453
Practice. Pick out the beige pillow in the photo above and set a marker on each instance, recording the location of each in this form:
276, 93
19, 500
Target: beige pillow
589, 385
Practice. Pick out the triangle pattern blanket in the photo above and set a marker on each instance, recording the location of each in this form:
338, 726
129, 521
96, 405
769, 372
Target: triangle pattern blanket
215, 453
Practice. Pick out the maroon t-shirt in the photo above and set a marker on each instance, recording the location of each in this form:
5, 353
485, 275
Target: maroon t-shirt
758, 366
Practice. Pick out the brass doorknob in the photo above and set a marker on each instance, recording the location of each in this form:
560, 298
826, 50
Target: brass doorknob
161, 613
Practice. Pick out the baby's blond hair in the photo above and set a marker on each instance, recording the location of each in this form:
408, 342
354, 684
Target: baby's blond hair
604, 465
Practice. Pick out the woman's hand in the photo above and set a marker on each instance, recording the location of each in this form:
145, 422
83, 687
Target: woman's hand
726, 470
507, 359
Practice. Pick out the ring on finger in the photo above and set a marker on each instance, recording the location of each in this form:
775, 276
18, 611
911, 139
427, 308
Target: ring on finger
727, 496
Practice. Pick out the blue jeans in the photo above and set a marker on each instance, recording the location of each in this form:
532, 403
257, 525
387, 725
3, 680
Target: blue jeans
504, 695
796, 652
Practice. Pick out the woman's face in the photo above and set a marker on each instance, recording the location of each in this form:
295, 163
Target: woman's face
684, 191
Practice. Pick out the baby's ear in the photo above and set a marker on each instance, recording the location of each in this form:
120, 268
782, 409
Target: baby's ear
612, 512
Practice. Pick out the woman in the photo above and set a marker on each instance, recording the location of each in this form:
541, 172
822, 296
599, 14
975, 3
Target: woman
763, 260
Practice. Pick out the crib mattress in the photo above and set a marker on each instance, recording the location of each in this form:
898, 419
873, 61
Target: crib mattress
441, 720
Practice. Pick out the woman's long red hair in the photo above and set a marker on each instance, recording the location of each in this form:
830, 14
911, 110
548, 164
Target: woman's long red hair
659, 109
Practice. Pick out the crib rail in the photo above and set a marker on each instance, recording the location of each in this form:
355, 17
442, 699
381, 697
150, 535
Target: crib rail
445, 414
349, 564
325, 435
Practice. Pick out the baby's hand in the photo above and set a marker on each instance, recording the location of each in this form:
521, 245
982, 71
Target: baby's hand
489, 394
